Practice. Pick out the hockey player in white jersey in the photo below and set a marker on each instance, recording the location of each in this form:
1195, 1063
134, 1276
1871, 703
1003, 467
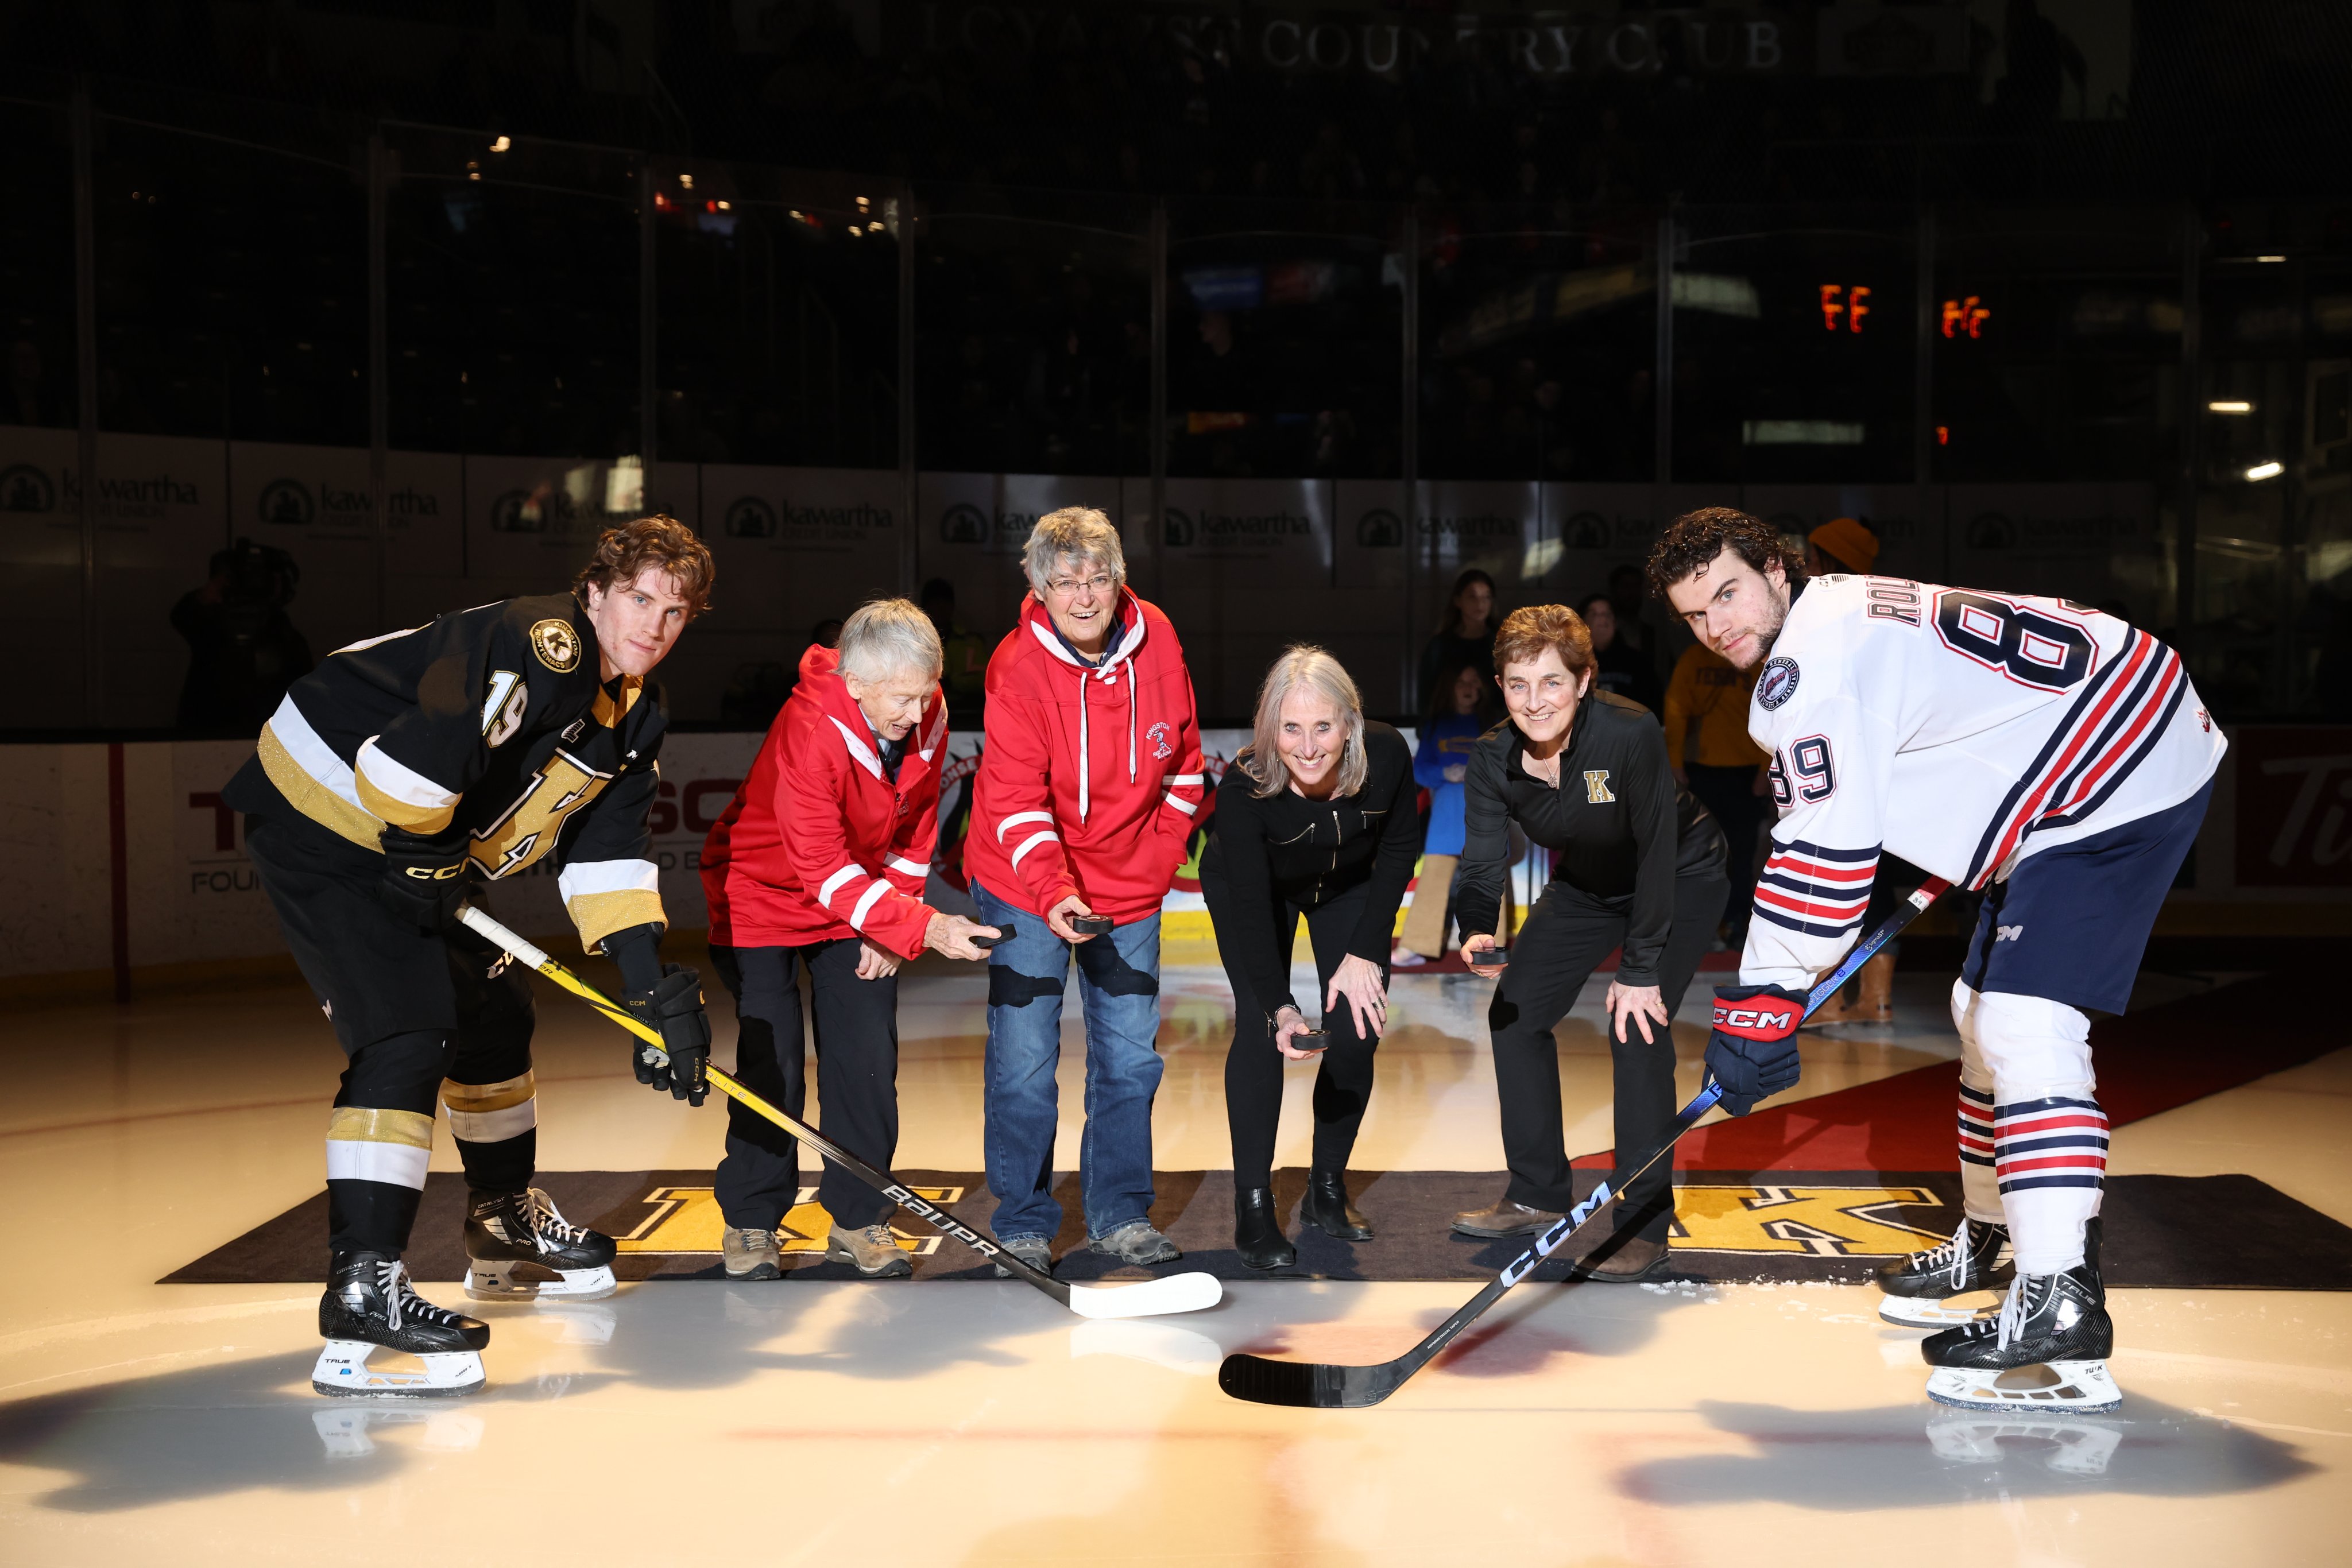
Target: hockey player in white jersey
2048, 754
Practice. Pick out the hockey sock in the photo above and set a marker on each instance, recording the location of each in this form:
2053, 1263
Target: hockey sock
380, 1141
2049, 1137
1980, 1188
497, 1129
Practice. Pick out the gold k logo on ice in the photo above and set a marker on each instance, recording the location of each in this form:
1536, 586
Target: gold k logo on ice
687, 1219
1596, 787
1826, 1222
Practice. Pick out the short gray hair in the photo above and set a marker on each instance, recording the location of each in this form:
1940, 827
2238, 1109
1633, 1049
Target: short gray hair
888, 637
1303, 665
1078, 533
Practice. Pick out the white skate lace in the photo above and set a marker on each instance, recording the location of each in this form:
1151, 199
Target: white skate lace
2021, 1303
546, 1222
399, 1301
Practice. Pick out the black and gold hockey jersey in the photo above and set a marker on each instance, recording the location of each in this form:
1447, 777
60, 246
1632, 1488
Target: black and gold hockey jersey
490, 719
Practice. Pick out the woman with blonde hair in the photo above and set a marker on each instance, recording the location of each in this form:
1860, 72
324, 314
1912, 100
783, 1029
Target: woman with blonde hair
1314, 818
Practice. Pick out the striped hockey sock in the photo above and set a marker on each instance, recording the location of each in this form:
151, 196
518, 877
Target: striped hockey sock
2051, 1155
496, 1128
1980, 1188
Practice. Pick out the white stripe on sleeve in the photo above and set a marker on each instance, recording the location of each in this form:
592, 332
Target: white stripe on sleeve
1032, 842
585, 877
833, 883
400, 781
873, 895
1178, 781
1018, 817
1187, 807
912, 868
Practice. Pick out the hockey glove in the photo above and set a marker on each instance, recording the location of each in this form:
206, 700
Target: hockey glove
673, 1006
424, 878
1753, 1051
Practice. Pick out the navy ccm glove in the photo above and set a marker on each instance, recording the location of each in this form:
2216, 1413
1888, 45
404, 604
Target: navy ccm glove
1753, 1050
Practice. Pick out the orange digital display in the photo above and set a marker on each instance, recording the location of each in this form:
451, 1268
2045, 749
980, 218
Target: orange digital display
1844, 314
1965, 318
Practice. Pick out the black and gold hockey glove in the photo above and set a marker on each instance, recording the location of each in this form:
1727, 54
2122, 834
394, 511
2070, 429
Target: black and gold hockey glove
674, 1006
424, 879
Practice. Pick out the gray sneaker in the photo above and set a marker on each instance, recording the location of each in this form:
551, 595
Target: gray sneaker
1033, 1250
751, 1254
1135, 1242
872, 1251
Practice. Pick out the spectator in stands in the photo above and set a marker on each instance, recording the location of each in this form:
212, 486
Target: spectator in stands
1707, 744
1090, 778
1618, 666
964, 673
1466, 706
1315, 821
242, 650
1466, 632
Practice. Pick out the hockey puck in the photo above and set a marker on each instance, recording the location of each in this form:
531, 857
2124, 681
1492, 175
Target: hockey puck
989, 941
1493, 959
1310, 1040
1092, 924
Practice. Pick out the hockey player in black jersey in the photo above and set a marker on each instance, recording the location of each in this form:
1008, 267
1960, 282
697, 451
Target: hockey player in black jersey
395, 779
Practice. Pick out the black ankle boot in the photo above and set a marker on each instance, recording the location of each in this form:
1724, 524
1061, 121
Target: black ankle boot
1258, 1234
1326, 1206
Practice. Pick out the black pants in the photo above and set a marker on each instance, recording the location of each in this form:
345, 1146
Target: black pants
1729, 796
1343, 1079
410, 1009
1568, 933
857, 1080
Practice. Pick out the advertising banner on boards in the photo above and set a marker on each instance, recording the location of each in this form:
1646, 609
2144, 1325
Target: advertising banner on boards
40, 545
1237, 559
531, 521
162, 515
974, 527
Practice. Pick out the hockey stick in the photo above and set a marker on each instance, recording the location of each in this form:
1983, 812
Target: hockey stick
1149, 1298
1323, 1387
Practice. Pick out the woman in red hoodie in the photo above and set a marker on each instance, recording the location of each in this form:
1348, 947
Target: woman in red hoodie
819, 861
1089, 783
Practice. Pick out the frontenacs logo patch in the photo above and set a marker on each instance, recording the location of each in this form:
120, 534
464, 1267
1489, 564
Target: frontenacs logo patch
1779, 684
557, 645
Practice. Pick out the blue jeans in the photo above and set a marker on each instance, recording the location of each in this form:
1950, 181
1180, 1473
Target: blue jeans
1118, 988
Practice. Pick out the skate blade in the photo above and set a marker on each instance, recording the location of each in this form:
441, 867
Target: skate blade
2081, 1388
343, 1373
500, 1282
1930, 1312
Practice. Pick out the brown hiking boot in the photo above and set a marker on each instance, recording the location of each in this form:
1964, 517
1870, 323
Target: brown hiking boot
1873, 1000
1503, 1218
871, 1249
751, 1254
1622, 1260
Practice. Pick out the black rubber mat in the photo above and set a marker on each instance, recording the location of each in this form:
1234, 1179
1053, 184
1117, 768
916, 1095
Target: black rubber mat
2218, 1232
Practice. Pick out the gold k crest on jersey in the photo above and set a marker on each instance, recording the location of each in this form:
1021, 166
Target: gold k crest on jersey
557, 645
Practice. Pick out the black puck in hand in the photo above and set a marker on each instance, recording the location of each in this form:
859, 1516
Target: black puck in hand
1091, 925
1310, 1040
1494, 958
988, 941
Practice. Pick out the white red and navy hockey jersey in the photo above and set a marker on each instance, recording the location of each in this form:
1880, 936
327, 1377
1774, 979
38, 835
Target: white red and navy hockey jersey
1961, 731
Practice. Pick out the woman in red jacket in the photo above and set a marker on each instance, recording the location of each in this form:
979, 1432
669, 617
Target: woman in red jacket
819, 861
1089, 783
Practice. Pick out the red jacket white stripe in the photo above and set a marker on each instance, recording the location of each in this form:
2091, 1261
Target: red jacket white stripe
818, 842
1090, 778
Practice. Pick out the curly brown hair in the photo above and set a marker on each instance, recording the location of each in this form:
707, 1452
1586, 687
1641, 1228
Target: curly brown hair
1695, 539
624, 553
1525, 632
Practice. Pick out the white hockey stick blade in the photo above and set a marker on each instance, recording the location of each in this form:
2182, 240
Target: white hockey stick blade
1147, 1298
2084, 1388
1932, 1312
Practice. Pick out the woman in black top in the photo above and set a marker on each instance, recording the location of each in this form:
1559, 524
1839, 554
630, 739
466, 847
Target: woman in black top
1465, 634
1637, 863
1315, 818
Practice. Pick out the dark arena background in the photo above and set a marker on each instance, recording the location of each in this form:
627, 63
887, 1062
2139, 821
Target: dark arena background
321, 318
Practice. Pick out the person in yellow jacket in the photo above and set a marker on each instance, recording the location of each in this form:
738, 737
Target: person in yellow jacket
1707, 742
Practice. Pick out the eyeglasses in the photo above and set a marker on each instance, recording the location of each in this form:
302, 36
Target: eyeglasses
1068, 587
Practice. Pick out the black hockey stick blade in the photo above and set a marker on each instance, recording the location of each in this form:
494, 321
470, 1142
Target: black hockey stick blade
1322, 1386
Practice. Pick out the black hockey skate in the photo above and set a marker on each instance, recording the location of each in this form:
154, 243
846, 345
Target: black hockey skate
521, 1250
1915, 1292
2047, 1349
369, 1307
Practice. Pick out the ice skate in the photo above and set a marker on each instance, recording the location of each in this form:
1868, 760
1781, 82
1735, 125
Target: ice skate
521, 1250
369, 1307
1922, 1291
2045, 1350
